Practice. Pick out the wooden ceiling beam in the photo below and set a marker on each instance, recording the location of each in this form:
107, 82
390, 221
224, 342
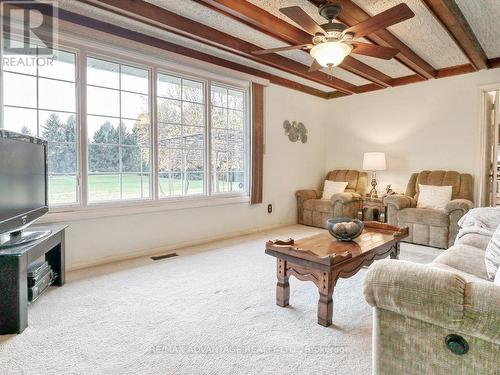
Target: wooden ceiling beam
452, 19
352, 14
161, 18
267, 23
119, 34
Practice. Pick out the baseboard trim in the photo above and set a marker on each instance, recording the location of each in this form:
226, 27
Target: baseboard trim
176, 247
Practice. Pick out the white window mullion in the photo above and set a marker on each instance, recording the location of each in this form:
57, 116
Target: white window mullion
155, 167
82, 123
208, 139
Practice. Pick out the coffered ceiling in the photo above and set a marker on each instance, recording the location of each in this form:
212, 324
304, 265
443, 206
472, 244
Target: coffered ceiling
444, 38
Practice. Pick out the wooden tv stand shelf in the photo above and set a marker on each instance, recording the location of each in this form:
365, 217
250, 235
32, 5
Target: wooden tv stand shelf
14, 263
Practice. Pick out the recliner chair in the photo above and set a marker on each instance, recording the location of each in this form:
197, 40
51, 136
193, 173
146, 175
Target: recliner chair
314, 211
431, 227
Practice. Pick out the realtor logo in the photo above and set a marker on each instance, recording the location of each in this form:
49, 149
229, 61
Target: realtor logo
28, 27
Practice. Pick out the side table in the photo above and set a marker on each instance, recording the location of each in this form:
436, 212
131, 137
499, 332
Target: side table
372, 208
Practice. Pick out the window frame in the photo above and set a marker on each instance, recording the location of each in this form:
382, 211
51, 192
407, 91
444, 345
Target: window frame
84, 140
154, 64
206, 86
246, 135
78, 109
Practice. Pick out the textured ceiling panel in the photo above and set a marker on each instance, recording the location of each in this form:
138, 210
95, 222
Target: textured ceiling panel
212, 18
422, 33
273, 6
483, 17
209, 17
112, 18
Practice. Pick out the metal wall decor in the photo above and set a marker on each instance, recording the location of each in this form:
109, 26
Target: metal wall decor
295, 131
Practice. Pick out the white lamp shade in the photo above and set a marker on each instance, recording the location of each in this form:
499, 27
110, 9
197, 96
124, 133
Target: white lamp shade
330, 53
374, 161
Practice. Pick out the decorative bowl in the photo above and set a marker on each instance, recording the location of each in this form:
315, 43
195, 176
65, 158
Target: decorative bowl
345, 228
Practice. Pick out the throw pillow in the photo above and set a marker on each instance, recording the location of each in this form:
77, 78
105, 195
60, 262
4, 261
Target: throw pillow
333, 187
434, 197
492, 254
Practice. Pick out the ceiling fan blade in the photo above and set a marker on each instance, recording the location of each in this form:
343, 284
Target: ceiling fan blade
382, 20
301, 18
279, 49
373, 50
315, 66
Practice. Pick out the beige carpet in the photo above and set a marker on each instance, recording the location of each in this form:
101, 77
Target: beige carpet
209, 311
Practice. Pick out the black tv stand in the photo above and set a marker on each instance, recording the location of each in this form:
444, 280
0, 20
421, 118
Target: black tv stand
14, 263
22, 237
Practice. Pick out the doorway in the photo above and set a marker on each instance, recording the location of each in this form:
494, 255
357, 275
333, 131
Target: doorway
491, 166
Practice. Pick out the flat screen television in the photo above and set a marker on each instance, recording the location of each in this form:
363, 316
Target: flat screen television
23, 186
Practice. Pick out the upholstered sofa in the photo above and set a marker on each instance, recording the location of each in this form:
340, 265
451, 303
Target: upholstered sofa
417, 307
427, 226
314, 211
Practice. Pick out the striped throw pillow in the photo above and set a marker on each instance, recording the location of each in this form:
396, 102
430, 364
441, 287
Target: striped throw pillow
492, 254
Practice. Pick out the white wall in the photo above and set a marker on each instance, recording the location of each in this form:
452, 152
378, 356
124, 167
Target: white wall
287, 167
429, 125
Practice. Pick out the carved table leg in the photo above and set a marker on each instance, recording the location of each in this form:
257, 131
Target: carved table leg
282, 287
395, 251
325, 303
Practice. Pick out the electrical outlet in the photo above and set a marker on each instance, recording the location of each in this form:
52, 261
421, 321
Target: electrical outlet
269, 208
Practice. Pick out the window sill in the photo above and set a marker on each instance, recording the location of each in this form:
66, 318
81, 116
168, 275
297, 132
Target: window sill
135, 208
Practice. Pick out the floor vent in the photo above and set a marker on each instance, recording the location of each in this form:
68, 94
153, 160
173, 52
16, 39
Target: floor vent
164, 256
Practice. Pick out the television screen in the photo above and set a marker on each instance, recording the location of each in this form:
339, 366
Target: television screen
23, 180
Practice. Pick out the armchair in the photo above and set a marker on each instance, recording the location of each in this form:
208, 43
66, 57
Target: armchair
431, 227
314, 211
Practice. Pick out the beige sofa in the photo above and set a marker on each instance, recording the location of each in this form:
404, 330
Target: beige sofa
416, 307
431, 227
314, 211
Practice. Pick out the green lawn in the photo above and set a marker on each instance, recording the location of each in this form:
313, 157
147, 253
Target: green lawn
62, 189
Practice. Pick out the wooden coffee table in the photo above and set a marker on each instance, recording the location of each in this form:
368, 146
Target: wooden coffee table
323, 260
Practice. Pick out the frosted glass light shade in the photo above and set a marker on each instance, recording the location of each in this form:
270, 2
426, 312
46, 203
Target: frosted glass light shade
374, 161
330, 53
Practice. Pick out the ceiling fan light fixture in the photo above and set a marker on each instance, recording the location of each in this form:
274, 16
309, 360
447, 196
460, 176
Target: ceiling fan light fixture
330, 53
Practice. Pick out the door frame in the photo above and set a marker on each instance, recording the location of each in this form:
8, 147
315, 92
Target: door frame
485, 142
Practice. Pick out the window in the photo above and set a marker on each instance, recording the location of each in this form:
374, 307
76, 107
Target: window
119, 132
181, 136
228, 135
40, 100
131, 131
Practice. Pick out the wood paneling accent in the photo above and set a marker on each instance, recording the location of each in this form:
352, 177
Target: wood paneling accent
271, 25
451, 17
133, 36
257, 143
353, 14
161, 18
367, 88
414, 78
455, 70
494, 63
335, 94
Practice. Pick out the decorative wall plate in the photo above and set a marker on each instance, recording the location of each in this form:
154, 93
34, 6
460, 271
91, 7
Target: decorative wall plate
295, 131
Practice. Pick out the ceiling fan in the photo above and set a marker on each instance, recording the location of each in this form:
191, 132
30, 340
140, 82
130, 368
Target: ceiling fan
333, 41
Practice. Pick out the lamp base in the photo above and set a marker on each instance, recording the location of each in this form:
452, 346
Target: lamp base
373, 191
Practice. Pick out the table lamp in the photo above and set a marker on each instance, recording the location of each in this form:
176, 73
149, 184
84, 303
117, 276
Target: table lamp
374, 161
